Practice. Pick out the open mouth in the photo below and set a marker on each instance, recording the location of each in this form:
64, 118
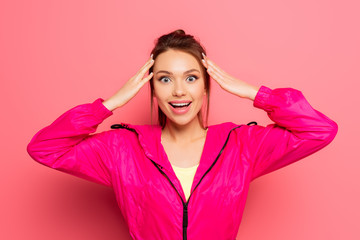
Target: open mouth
180, 105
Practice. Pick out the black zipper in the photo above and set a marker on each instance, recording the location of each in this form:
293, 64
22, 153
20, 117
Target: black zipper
185, 204
159, 167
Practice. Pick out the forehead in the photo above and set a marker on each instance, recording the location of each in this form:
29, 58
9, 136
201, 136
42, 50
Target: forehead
175, 61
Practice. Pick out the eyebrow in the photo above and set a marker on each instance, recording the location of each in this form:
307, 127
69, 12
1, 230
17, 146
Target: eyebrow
188, 71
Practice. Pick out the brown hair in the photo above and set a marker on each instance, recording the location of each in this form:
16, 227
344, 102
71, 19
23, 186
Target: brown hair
178, 40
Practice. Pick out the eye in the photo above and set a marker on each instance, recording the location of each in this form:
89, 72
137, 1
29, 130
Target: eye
164, 79
192, 78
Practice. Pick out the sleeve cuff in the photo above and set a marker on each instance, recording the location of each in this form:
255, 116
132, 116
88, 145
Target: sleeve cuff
262, 97
100, 110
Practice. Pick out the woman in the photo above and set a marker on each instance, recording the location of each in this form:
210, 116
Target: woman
182, 179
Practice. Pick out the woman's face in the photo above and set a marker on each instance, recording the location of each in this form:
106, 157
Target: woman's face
179, 86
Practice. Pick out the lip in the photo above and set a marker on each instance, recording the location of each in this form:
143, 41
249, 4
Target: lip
182, 110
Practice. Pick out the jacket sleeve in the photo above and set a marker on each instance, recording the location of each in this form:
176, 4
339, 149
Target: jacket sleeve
299, 130
68, 146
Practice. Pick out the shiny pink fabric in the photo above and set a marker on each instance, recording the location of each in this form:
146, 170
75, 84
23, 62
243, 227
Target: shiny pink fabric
124, 160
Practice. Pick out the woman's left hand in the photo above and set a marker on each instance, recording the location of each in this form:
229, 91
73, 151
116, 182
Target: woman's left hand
228, 82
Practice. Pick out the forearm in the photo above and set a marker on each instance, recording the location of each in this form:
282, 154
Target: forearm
252, 91
67, 145
110, 104
288, 108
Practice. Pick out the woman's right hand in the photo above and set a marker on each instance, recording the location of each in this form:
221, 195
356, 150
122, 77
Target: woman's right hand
130, 88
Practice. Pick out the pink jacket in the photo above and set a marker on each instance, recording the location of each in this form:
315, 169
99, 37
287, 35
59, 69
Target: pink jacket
132, 161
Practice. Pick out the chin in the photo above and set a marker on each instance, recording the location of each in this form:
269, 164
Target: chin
182, 122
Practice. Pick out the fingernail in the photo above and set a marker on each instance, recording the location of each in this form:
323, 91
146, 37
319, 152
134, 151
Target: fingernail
203, 61
203, 54
151, 56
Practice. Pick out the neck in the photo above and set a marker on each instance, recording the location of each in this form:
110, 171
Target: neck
184, 133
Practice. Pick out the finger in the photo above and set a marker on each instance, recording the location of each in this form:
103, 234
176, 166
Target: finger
216, 80
216, 67
146, 67
215, 74
150, 61
147, 78
204, 56
204, 63
204, 60
210, 63
219, 79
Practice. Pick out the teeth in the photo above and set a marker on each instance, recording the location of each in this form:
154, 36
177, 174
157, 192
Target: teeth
180, 104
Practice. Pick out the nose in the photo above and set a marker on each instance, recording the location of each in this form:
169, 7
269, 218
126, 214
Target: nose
179, 89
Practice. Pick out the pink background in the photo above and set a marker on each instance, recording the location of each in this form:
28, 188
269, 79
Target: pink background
55, 55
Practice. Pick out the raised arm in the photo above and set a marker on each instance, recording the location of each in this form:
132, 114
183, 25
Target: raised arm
299, 130
68, 144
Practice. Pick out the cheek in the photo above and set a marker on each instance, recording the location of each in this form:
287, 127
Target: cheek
160, 94
157, 91
199, 92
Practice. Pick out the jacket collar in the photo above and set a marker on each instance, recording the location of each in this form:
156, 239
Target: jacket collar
150, 140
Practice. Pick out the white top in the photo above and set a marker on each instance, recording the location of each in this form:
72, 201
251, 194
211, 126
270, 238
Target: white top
186, 177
